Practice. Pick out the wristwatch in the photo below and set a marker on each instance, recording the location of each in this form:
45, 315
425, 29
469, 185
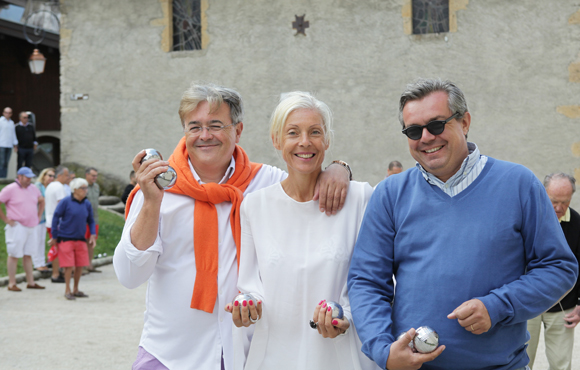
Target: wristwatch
343, 164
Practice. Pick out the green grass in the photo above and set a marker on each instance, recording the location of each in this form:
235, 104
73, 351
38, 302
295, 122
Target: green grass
110, 229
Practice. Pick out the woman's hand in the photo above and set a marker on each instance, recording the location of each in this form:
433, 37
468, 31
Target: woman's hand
326, 325
246, 314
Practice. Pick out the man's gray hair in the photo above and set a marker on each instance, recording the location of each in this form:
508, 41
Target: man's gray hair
59, 170
89, 169
560, 175
424, 86
215, 95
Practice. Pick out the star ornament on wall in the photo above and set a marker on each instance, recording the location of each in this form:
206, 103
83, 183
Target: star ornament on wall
300, 25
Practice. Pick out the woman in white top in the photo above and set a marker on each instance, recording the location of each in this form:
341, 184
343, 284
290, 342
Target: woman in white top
294, 259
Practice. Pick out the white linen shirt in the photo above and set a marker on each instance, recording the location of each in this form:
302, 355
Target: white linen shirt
54, 193
177, 335
292, 257
7, 133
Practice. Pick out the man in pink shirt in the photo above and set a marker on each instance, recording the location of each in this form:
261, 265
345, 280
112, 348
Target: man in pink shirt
24, 205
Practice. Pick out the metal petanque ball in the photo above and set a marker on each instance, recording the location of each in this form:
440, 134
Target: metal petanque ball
100, 255
410, 343
240, 298
337, 312
426, 339
164, 180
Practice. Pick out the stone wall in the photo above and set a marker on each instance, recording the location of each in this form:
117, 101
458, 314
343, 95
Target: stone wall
517, 62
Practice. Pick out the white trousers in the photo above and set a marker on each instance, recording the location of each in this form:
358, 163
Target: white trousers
39, 255
559, 339
20, 240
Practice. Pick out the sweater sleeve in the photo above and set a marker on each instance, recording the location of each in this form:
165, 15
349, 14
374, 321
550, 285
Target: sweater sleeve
551, 268
58, 213
370, 279
90, 218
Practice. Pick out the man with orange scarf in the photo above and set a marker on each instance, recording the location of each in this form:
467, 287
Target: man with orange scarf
185, 241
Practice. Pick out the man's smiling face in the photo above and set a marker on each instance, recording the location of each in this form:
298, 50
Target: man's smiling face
441, 155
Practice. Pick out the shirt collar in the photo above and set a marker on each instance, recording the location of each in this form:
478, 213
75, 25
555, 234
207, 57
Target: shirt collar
566, 217
465, 168
229, 172
76, 200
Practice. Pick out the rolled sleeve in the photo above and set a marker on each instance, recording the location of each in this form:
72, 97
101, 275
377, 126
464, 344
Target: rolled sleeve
133, 266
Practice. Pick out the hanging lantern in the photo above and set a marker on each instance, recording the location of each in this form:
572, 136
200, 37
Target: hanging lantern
36, 62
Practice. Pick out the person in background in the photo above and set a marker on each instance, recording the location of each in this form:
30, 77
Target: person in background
69, 225
129, 188
55, 192
38, 258
24, 205
560, 320
91, 175
8, 140
394, 168
26, 136
67, 189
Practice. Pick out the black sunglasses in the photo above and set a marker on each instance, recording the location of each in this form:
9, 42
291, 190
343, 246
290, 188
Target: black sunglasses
434, 127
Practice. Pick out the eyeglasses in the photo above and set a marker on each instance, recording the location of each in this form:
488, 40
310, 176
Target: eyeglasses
434, 127
83, 188
49, 175
198, 129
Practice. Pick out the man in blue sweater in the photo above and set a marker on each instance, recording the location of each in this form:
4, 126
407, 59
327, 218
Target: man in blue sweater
472, 241
69, 225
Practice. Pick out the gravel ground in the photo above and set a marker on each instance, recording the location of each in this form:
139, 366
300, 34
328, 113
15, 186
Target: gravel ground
40, 329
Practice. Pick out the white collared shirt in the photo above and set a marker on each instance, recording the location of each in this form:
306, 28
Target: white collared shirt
7, 133
177, 335
566, 217
467, 173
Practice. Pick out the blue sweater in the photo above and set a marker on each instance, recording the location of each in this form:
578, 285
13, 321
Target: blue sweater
70, 219
498, 241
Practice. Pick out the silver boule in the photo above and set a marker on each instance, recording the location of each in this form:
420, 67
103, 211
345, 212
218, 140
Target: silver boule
164, 180
426, 339
337, 311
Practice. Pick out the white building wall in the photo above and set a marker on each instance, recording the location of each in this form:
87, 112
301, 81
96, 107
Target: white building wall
511, 58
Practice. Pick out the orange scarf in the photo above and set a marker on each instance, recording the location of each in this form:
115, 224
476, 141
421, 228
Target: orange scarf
205, 219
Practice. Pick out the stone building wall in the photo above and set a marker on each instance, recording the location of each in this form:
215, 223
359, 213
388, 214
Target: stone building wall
517, 61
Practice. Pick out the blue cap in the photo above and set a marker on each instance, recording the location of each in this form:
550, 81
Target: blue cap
26, 172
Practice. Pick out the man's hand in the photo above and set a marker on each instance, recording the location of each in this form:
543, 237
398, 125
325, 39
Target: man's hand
145, 174
241, 317
331, 189
52, 242
402, 357
473, 316
573, 318
92, 241
10, 222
